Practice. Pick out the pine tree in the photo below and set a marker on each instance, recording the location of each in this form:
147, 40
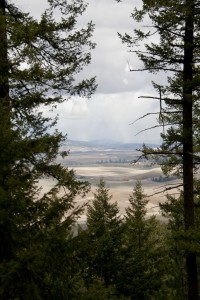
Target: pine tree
177, 53
105, 233
172, 209
144, 250
136, 214
39, 61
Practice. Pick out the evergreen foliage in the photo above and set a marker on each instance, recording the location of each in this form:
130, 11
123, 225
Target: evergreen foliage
39, 63
104, 236
173, 211
175, 24
98, 291
144, 250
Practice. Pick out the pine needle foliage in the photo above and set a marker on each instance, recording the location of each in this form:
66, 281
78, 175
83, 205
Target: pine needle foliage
144, 253
105, 234
39, 62
175, 27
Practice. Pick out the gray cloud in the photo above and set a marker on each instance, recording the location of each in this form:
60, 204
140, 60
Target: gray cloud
115, 104
106, 117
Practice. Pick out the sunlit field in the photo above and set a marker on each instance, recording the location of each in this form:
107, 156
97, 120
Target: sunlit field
116, 168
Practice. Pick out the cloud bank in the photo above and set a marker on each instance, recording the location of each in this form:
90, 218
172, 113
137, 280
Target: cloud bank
115, 104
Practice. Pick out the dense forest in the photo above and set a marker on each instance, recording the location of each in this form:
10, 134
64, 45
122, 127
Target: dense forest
44, 253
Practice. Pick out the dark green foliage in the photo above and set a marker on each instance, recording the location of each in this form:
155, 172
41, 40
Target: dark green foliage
136, 212
104, 236
178, 242
173, 211
39, 62
143, 270
98, 291
175, 51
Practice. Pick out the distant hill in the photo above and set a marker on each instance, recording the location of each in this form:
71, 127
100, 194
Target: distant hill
104, 144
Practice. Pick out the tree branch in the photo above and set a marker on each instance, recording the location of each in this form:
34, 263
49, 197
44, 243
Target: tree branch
166, 190
156, 126
148, 114
167, 100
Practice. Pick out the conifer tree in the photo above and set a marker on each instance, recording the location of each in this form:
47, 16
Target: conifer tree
175, 51
172, 209
39, 61
144, 254
105, 233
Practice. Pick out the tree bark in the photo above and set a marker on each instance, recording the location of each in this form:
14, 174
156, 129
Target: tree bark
191, 265
5, 140
4, 87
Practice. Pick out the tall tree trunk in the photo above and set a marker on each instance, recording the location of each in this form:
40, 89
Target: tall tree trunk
191, 265
5, 109
4, 87
5, 140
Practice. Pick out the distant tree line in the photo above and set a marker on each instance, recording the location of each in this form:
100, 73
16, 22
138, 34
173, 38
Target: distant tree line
163, 178
113, 161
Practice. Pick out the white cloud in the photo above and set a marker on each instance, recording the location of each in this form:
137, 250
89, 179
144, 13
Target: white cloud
75, 108
108, 116
115, 104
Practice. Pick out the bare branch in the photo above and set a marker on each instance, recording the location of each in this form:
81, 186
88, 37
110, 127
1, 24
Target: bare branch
163, 153
156, 69
167, 100
156, 126
166, 190
153, 127
168, 184
136, 160
128, 63
161, 110
148, 114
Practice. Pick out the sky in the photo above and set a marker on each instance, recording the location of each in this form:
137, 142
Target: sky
115, 105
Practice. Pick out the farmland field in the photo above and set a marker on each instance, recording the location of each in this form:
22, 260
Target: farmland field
114, 165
